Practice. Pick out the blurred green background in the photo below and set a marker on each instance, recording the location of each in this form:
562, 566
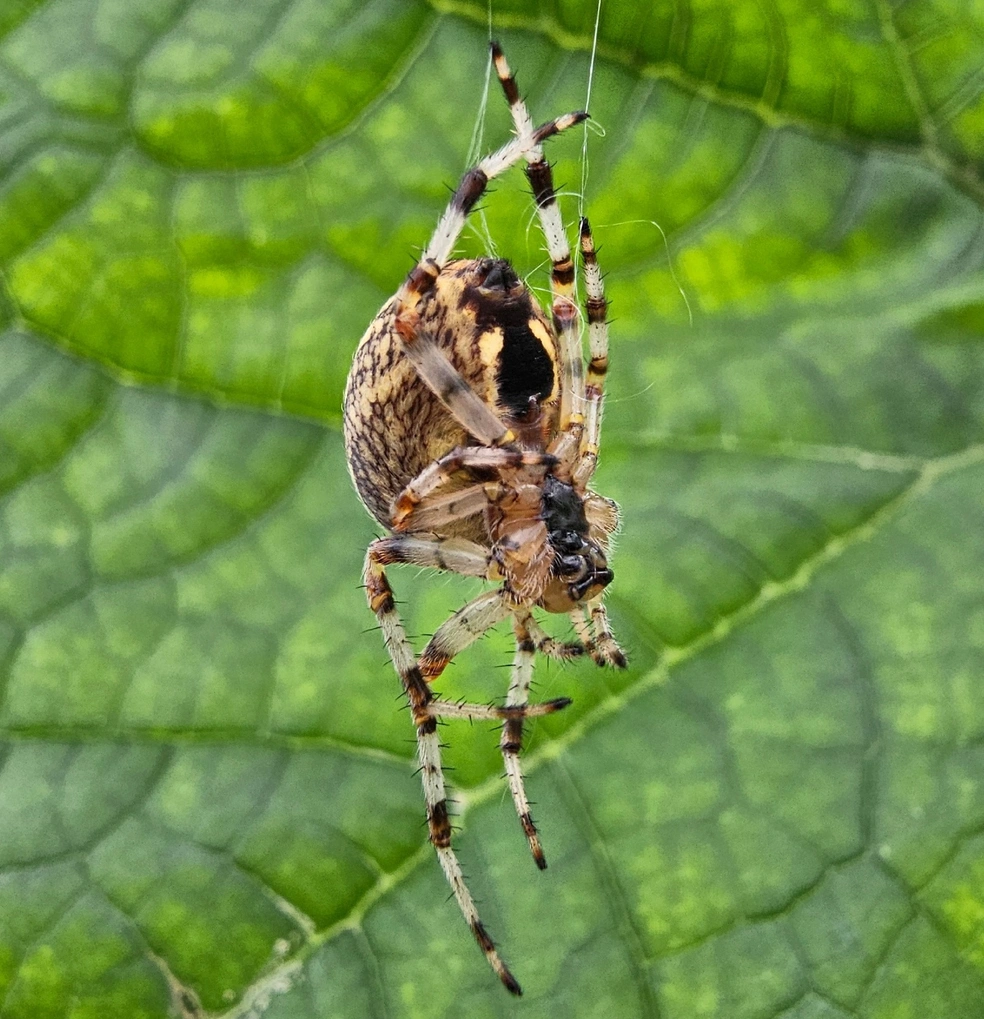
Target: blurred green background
207, 799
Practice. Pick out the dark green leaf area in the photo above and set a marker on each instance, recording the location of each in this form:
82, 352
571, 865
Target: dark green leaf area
845, 334
720, 530
190, 848
87, 945
46, 402
309, 67
870, 71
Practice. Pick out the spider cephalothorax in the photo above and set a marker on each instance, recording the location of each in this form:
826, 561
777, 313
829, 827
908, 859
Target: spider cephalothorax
580, 566
472, 435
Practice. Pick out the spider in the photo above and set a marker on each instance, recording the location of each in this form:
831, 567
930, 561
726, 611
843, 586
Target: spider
472, 434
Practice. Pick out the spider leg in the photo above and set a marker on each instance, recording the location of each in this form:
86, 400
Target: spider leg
475, 457
603, 517
511, 742
583, 630
594, 394
551, 647
497, 712
605, 641
475, 181
558, 247
457, 555
444, 379
600, 644
380, 596
436, 511
464, 627
468, 558
431, 364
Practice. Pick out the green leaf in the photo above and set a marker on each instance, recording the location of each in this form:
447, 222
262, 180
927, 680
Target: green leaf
207, 799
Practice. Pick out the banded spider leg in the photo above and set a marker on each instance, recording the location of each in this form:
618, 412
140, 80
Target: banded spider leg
564, 309
466, 625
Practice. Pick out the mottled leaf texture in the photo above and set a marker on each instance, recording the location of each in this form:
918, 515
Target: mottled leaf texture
207, 798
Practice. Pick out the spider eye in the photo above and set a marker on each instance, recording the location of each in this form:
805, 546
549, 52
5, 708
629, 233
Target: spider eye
567, 541
571, 565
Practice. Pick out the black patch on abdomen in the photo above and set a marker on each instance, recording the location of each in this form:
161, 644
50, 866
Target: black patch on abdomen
501, 301
525, 368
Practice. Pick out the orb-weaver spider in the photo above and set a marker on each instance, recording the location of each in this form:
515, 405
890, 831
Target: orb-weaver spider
472, 433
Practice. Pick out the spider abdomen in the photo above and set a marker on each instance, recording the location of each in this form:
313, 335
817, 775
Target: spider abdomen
484, 319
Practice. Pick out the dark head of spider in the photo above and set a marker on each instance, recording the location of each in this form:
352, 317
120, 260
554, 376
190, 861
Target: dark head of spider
580, 567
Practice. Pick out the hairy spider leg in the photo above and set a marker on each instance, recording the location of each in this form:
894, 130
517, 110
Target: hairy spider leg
594, 394
436, 511
551, 647
475, 457
511, 741
603, 517
456, 555
382, 603
496, 712
424, 507
565, 314
582, 628
469, 559
604, 638
462, 629
430, 361
591, 626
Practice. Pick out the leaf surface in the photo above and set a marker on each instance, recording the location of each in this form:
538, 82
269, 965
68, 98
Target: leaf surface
207, 799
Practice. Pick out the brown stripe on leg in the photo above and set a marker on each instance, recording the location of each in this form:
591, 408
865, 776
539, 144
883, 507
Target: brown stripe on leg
430, 361
551, 647
567, 324
475, 181
437, 510
439, 824
582, 628
438, 473
446, 382
506, 78
605, 641
496, 712
591, 624
455, 555
488, 947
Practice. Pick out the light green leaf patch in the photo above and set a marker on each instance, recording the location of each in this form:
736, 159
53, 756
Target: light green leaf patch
207, 798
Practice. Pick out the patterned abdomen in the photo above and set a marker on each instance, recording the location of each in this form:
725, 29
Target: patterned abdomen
394, 426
